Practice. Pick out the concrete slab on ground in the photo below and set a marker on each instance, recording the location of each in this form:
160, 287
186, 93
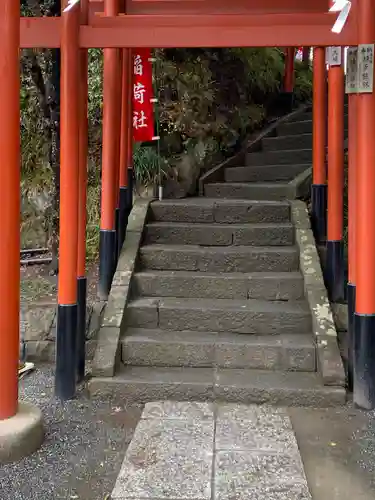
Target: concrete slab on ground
204, 451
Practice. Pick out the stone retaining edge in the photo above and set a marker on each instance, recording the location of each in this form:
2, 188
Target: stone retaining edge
330, 364
215, 174
107, 349
300, 186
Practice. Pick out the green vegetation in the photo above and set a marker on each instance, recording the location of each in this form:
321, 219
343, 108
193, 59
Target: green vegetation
210, 100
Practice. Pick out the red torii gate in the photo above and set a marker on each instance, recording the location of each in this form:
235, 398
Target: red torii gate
173, 23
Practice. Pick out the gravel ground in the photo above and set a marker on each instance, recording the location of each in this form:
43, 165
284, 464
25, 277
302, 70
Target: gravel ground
86, 442
338, 450
83, 450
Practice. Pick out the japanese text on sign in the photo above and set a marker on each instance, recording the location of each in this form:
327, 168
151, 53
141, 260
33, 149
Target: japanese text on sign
365, 68
143, 112
333, 56
351, 70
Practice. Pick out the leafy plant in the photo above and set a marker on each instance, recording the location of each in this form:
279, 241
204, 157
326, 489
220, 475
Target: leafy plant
149, 166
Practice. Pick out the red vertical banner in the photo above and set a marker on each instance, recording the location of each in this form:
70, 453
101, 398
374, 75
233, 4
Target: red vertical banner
143, 108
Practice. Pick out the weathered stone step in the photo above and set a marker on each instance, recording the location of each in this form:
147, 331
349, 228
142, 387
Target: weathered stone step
295, 128
250, 191
144, 384
145, 347
194, 284
205, 210
219, 259
179, 233
307, 115
301, 141
301, 127
264, 173
257, 317
285, 157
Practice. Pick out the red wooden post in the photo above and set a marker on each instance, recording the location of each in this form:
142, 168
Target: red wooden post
9, 207
352, 227
306, 56
319, 186
289, 70
118, 94
82, 213
335, 245
110, 162
130, 137
66, 345
124, 146
364, 342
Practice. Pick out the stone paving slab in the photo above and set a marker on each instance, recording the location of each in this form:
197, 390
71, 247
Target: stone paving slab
168, 459
238, 472
249, 428
208, 451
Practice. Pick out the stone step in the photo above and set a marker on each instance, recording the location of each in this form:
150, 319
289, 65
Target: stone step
309, 115
301, 127
142, 384
194, 284
250, 191
295, 128
206, 210
145, 347
179, 233
285, 157
264, 173
219, 259
258, 317
280, 143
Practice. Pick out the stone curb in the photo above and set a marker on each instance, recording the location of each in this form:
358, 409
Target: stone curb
300, 186
22, 434
107, 349
216, 173
330, 364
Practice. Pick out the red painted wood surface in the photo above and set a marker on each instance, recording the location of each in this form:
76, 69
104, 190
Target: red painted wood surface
9, 207
69, 157
257, 30
216, 6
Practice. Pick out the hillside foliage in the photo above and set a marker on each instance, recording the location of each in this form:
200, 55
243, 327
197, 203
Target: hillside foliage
209, 101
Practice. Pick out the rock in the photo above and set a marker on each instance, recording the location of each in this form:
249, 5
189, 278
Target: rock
173, 189
185, 183
340, 316
36, 323
95, 320
42, 350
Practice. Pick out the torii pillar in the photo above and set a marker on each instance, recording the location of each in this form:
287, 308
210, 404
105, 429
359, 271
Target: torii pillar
364, 341
335, 202
319, 186
288, 84
21, 428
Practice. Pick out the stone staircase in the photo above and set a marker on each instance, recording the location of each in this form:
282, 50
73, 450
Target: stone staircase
267, 174
217, 307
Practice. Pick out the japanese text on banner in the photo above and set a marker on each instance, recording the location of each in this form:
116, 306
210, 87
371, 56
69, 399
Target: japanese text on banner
143, 109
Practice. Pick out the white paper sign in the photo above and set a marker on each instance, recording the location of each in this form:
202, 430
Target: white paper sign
365, 68
334, 56
71, 4
351, 70
343, 7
